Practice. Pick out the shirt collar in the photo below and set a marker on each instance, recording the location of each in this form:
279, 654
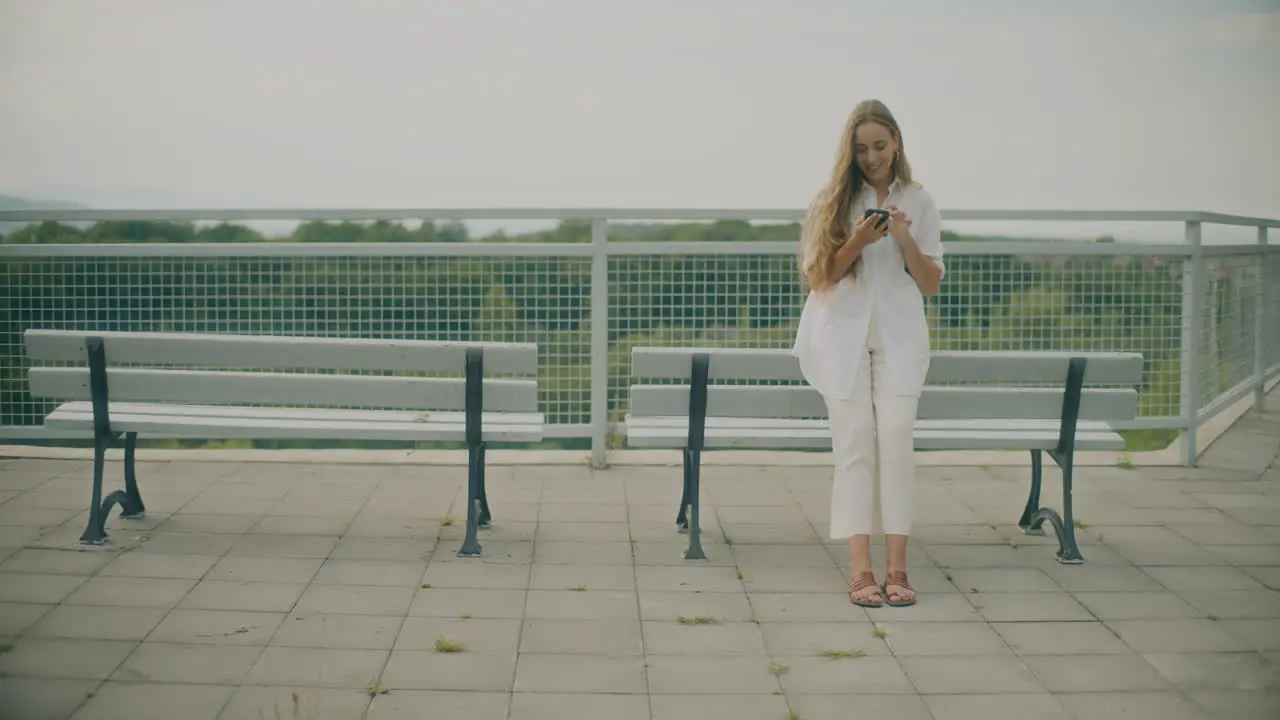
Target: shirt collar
894, 187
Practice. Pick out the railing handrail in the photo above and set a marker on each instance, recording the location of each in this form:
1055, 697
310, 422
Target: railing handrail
610, 214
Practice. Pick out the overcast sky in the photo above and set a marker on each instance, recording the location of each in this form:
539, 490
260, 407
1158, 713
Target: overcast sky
1109, 104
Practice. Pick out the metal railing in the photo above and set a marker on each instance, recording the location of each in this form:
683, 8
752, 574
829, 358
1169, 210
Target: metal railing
1205, 316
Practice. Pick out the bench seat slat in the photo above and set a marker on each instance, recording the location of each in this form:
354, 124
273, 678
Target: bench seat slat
998, 366
195, 421
278, 352
214, 386
936, 402
754, 433
821, 423
230, 412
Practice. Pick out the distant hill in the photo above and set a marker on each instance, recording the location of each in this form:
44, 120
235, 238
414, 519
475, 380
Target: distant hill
566, 231
12, 202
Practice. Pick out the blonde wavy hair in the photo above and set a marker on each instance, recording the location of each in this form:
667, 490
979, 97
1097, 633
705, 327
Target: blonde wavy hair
828, 224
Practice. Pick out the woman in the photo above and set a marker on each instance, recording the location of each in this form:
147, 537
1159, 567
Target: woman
863, 340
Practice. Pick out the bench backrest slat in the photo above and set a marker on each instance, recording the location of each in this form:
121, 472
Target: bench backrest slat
726, 363
263, 388
273, 352
936, 402
1033, 367
997, 366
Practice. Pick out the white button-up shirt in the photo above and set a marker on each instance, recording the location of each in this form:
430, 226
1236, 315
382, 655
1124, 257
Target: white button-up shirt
831, 338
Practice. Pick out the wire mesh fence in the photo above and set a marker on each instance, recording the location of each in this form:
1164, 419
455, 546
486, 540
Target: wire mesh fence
1271, 300
1228, 333
987, 302
1072, 297
500, 299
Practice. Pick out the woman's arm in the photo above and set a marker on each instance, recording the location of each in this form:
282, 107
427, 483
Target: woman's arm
926, 273
923, 250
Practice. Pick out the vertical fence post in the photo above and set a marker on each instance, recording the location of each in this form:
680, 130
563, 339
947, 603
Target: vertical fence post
1270, 280
1193, 280
1260, 341
599, 342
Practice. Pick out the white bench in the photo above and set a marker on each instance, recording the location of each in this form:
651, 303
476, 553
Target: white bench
282, 387
999, 407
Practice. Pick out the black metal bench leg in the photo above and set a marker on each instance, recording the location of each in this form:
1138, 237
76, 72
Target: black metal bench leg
1063, 454
682, 517
699, 374
95, 532
1064, 528
131, 506
477, 502
1033, 500
485, 517
471, 544
129, 499
694, 502
1068, 551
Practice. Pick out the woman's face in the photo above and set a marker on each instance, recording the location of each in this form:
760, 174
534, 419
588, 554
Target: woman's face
874, 149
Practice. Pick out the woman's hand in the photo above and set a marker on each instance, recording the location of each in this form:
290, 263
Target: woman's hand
865, 231
899, 224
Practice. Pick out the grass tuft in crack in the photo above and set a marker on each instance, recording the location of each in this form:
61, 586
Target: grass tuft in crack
842, 654
373, 690
697, 620
445, 645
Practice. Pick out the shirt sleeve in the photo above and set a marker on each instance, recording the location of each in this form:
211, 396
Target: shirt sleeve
928, 233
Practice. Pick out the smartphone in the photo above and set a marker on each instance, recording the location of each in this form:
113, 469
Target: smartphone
884, 216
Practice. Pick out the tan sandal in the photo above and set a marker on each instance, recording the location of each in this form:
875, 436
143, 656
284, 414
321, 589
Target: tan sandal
862, 581
898, 579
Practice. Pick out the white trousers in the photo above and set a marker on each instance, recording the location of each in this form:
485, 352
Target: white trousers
873, 445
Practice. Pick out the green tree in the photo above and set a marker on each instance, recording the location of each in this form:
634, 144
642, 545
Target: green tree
46, 233
228, 233
384, 231
140, 231
318, 231
454, 232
